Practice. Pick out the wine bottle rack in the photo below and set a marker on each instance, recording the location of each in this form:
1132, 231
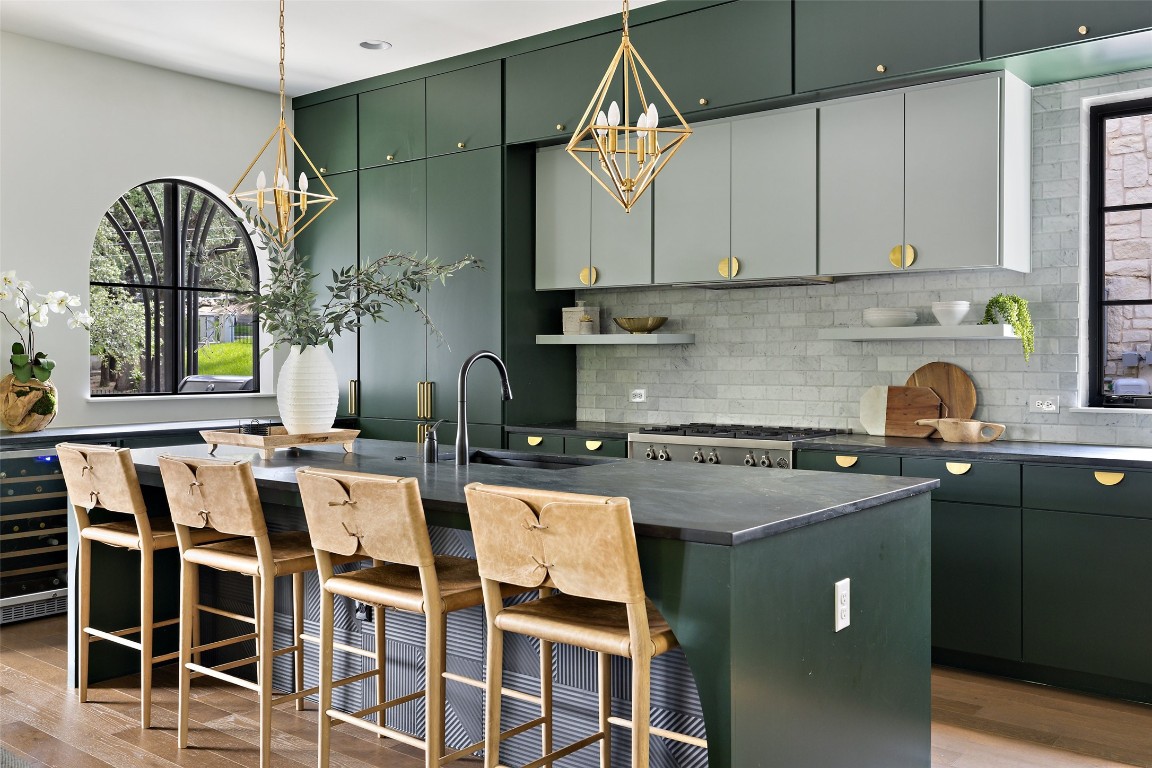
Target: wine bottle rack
33, 536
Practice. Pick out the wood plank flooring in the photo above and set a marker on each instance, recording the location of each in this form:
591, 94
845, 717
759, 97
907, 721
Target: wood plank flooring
977, 721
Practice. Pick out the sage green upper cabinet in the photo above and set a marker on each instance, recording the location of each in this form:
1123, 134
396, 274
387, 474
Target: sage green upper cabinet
327, 131
393, 217
548, 90
1018, 26
392, 124
693, 212
774, 195
621, 241
563, 220
839, 42
464, 218
463, 110
749, 54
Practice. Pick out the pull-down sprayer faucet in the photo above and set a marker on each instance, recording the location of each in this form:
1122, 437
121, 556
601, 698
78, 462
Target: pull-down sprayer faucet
462, 399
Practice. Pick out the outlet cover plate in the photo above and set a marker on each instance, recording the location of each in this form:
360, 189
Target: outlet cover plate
1044, 404
638, 396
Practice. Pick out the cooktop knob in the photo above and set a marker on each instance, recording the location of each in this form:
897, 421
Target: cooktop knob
713, 458
698, 456
650, 453
749, 460
765, 461
663, 454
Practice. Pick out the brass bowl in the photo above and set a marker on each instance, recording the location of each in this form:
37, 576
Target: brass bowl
639, 324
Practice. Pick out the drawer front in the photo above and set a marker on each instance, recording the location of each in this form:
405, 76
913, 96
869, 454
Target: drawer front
859, 463
1101, 490
978, 482
596, 446
525, 441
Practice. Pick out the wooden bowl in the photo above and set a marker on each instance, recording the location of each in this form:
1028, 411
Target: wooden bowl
639, 324
964, 430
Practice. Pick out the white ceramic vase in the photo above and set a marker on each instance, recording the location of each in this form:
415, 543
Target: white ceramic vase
307, 392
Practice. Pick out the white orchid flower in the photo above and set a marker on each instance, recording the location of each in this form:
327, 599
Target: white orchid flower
5, 292
38, 313
8, 279
58, 301
80, 319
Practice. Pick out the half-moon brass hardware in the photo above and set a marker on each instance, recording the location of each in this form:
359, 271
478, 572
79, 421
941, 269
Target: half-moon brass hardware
847, 461
902, 256
881, 68
1082, 29
1109, 478
729, 268
533, 440
390, 158
593, 445
459, 145
957, 467
588, 276
703, 102
559, 126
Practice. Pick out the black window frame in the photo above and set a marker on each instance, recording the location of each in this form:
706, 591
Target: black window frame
180, 333
1097, 212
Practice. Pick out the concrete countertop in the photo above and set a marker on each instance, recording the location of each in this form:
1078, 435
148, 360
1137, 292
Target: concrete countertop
707, 504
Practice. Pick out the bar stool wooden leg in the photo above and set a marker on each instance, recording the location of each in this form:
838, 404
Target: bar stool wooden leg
327, 640
197, 656
546, 697
83, 641
297, 631
641, 695
494, 677
378, 616
435, 649
189, 618
604, 691
146, 569
264, 622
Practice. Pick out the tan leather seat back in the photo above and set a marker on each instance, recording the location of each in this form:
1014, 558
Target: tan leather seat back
101, 476
215, 493
584, 545
378, 516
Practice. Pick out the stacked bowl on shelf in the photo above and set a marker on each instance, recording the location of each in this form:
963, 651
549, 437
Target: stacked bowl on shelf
889, 317
950, 312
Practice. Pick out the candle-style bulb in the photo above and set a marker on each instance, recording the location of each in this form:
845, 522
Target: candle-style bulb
261, 181
653, 116
613, 114
601, 119
641, 124
303, 184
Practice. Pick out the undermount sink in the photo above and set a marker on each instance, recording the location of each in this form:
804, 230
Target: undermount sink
535, 460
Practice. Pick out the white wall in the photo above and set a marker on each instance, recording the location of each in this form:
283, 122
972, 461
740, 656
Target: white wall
77, 130
757, 359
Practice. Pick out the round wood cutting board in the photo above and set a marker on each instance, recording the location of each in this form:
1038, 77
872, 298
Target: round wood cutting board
951, 383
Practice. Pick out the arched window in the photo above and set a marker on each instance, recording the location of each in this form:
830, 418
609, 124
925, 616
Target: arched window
171, 266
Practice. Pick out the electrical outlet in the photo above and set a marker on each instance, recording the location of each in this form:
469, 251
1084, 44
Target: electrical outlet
1044, 404
843, 604
638, 396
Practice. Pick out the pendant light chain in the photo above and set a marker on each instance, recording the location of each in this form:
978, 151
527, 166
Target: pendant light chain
625, 15
282, 59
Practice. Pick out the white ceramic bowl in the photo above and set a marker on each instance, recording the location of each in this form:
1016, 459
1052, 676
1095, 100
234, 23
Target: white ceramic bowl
889, 317
950, 312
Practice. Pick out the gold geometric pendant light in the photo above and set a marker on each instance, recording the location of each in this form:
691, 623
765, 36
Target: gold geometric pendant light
293, 210
625, 158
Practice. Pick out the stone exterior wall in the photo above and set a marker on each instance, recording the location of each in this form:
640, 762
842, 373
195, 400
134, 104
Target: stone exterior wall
757, 358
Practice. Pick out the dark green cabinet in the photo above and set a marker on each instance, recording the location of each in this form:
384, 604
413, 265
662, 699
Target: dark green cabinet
408, 431
749, 54
596, 446
327, 132
839, 42
1087, 601
463, 109
1018, 26
859, 463
391, 125
393, 217
525, 441
978, 482
1109, 490
330, 244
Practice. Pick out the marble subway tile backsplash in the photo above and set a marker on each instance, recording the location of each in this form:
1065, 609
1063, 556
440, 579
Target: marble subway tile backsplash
757, 357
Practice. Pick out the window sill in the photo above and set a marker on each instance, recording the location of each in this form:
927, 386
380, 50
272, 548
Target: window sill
190, 396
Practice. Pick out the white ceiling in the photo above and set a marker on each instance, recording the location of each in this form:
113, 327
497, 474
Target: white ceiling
236, 41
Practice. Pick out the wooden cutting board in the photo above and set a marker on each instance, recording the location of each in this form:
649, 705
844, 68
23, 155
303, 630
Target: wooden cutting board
952, 383
893, 411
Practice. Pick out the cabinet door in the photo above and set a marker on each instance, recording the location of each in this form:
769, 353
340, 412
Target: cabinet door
861, 188
392, 218
693, 212
330, 243
548, 90
858, 463
522, 441
464, 218
596, 446
754, 61
621, 241
1087, 605
1017, 26
851, 41
976, 578
392, 124
774, 195
563, 219
464, 108
952, 174
327, 132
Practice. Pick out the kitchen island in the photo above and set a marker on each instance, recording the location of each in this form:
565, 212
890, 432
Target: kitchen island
743, 565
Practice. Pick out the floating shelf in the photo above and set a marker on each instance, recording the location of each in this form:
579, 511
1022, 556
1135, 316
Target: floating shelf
920, 332
618, 338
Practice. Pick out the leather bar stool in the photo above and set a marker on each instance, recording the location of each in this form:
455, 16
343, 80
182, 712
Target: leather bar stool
353, 514
103, 477
579, 551
220, 495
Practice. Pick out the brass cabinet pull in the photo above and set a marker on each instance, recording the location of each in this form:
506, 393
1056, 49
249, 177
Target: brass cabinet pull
323, 170
703, 102
593, 445
421, 432
589, 275
533, 440
1082, 29
459, 145
390, 158
729, 267
1109, 478
352, 394
902, 256
559, 126
847, 461
424, 392
881, 68
957, 467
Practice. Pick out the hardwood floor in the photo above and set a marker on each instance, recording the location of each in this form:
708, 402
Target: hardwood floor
977, 721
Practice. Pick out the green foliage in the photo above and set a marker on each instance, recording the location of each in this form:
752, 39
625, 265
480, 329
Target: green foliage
227, 359
1013, 310
46, 404
118, 321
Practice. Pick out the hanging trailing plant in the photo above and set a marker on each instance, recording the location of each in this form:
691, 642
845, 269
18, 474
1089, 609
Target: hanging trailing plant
1010, 308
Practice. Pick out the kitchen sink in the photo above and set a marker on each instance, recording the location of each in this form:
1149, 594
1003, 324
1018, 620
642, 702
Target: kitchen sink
527, 460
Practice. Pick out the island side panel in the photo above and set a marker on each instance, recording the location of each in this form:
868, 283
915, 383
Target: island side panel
809, 697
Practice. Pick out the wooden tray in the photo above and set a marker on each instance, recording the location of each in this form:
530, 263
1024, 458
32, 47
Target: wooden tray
954, 386
278, 439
